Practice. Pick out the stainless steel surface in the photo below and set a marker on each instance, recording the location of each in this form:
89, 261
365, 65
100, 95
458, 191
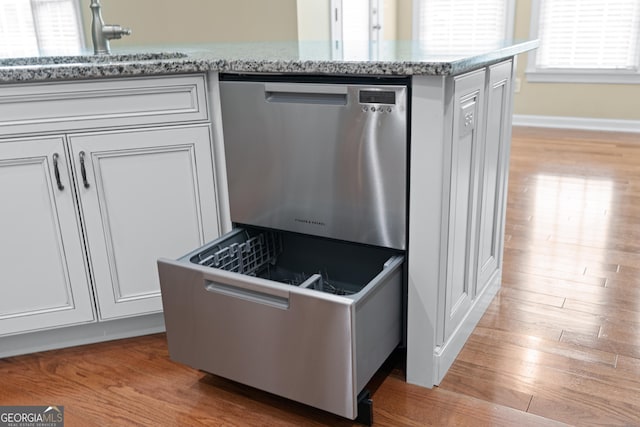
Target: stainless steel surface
305, 317
83, 170
101, 33
321, 159
56, 171
306, 345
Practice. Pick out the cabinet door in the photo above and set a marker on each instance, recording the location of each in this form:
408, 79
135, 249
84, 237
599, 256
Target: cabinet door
494, 174
466, 142
144, 194
43, 277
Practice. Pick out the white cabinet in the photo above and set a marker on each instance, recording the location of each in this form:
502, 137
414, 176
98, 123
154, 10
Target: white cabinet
98, 179
494, 167
466, 145
479, 166
143, 194
457, 208
43, 273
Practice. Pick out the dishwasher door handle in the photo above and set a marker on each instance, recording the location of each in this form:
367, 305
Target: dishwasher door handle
248, 292
306, 93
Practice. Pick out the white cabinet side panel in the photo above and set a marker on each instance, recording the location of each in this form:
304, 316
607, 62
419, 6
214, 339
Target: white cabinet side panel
427, 170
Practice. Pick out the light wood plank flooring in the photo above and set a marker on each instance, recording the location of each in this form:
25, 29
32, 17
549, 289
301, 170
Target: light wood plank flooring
559, 344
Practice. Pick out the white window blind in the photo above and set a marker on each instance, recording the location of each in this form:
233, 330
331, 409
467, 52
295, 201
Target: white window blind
39, 27
461, 26
588, 34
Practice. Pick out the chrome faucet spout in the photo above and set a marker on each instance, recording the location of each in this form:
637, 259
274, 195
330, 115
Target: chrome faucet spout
101, 33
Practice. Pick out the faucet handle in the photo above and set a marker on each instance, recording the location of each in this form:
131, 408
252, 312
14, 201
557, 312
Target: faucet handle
112, 32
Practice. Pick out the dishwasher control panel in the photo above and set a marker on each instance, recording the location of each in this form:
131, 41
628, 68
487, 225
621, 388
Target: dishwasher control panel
377, 101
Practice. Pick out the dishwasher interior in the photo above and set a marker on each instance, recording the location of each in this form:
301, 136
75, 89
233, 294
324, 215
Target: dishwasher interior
296, 260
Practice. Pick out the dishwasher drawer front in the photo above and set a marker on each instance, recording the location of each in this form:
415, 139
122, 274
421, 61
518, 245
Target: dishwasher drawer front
298, 343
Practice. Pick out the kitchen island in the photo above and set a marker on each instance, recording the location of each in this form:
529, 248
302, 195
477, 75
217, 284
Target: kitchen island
104, 115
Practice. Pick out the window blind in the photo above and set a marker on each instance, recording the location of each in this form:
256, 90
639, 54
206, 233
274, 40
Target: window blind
588, 34
39, 27
460, 26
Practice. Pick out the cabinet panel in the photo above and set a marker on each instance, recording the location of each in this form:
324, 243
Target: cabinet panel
43, 280
64, 106
148, 194
466, 142
493, 173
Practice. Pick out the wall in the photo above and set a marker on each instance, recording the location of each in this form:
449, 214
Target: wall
390, 19
314, 28
158, 22
405, 19
314, 20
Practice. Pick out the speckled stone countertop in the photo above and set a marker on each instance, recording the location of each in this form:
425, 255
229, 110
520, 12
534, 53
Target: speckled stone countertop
391, 58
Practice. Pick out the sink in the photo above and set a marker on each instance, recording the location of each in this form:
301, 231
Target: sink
91, 59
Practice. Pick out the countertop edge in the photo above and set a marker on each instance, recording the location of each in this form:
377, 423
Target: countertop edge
195, 63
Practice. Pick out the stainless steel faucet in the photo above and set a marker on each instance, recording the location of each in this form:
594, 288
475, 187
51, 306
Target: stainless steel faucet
101, 33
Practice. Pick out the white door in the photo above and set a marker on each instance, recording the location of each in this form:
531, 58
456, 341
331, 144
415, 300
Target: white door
356, 26
43, 276
144, 194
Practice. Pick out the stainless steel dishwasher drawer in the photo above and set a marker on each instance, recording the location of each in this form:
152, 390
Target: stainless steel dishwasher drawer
312, 320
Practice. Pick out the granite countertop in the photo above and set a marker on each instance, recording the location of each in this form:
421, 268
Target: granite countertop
402, 58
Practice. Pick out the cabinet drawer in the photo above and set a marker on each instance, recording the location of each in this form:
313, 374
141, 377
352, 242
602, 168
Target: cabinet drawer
36, 107
312, 320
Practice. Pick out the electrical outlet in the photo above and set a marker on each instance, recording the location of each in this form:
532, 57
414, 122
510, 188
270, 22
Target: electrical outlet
517, 83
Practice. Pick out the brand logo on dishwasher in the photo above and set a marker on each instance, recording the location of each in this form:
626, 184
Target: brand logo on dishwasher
310, 222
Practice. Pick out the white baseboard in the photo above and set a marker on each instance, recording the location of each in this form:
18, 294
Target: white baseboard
81, 334
581, 123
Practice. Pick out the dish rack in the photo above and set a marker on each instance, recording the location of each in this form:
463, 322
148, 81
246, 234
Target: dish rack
258, 256
248, 257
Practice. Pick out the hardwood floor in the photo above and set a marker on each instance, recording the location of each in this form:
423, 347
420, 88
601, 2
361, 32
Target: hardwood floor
559, 344
562, 338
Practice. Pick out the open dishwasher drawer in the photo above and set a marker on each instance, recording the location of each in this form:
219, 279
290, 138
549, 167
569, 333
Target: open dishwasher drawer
306, 318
